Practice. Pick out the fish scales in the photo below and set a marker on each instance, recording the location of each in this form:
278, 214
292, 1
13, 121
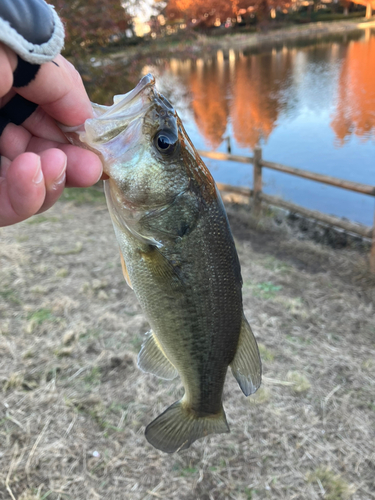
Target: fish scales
182, 310
179, 257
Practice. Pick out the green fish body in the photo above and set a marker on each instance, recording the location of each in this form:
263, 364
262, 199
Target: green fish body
180, 259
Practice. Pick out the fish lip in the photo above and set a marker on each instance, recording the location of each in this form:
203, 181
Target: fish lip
146, 81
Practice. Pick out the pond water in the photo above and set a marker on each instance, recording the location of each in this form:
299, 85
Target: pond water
310, 105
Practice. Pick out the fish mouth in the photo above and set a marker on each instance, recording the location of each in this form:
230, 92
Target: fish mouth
144, 96
121, 101
115, 130
121, 131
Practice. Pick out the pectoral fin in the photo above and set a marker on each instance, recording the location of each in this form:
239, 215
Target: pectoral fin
246, 365
125, 271
152, 359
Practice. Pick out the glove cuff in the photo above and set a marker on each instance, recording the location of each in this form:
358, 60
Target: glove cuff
19, 25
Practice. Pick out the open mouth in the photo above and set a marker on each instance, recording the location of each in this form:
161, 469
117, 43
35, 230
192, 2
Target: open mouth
111, 121
122, 101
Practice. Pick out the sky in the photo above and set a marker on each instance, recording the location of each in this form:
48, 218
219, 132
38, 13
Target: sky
142, 9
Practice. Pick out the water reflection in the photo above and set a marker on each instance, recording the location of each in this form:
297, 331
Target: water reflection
258, 95
355, 108
310, 104
209, 99
254, 91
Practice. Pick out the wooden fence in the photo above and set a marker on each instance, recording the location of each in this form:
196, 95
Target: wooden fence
259, 196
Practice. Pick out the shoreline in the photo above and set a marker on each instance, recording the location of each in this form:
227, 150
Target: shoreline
310, 30
208, 44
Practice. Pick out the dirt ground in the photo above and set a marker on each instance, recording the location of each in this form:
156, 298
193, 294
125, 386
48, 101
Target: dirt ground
74, 405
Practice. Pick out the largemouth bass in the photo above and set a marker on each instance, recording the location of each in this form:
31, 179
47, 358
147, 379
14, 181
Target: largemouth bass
179, 257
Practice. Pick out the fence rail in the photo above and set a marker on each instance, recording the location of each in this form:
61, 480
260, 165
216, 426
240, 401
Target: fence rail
258, 196
325, 179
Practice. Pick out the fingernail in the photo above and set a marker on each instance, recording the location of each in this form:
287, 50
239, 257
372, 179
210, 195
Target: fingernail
100, 176
38, 177
60, 179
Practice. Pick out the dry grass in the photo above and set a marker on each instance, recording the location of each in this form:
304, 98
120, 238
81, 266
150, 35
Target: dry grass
74, 405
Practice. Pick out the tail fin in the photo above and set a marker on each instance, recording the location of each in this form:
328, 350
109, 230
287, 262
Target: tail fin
178, 427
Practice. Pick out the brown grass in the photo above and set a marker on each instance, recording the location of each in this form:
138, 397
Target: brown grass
73, 405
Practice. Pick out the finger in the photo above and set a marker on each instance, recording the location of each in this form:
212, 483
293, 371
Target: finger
58, 88
14, 141
7, 97
5, 163
54, 163
84, 167
42, 125
15, 138
8, 62
22, 191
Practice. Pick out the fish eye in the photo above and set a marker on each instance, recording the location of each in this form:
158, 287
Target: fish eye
165, 142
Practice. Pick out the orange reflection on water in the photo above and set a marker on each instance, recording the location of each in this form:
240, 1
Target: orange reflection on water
247, 91
208, 85
257, 96
251, 90
355, 112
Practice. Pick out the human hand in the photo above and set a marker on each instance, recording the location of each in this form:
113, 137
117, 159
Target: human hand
37, 161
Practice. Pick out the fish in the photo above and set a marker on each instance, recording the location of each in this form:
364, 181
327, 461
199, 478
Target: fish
179, 257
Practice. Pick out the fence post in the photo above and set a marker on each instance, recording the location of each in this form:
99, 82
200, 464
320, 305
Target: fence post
257, 180
372, 251
229, 146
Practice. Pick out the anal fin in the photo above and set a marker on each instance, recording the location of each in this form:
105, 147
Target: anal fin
152, 359
246, 365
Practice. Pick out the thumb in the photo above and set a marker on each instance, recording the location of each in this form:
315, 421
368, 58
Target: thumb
22, 188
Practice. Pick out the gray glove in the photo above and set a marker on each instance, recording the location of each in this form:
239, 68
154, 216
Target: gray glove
34, 31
